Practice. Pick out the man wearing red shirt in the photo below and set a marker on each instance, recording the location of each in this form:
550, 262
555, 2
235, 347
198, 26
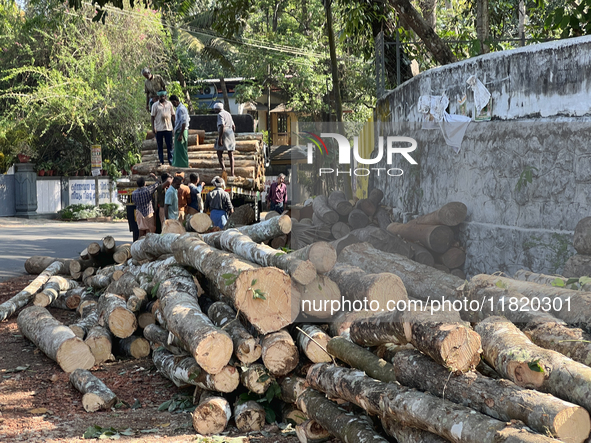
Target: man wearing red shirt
277, 196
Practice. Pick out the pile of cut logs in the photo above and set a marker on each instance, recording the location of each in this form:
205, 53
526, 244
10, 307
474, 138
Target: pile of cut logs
428, 239
222, 312
249, 159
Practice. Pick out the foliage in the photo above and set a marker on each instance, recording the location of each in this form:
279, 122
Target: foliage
83, 212
111, 433
179, 402
570, 19
267, 401
525, 178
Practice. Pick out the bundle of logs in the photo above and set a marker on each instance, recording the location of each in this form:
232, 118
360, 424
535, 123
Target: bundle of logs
250, 328
249, 159
428, 239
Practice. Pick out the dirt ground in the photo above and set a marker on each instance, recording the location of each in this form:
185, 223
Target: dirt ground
38, 404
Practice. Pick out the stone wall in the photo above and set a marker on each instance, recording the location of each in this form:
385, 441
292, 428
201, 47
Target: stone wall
541, 118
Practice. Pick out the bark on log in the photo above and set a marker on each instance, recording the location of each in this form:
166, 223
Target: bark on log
84, 325
452, 258
318, 298
355, 284
96, 395
358, 219
52, 289
360, 358
249, 416
311, 432
376, 195
100, 342
173, 227
122, 253
499, 399
339, 203
269, 311
548, 280
451, 214
54, 339
159, 336
323, 210
440, 335
210, 346
134, 346
582, 238
279, 353
12, 305
340, 230
97, 281
301, 271
125, 286
212, 414
137, 301
108, 245
383, 240
113, 313
422, 255
38, 263
291, 388
406, 434
291, 414
183, 370
256, 379
79, 266
382, 217
207, 175
246, 348
242, 215
572, 342
457, 272
342, 243
348, 427
321, 254
442, 268
368, 207
436, 238
152, 246
258, 232
514, 356
241, 145
341, 322
278, 242
68, 300
312, 342
199, 222
577, 266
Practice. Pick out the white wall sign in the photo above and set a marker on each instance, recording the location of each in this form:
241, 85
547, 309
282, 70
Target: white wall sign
82, 191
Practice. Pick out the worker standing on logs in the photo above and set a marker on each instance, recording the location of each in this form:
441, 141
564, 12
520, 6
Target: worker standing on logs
196, 204
226, 140
181, 134
171, 199
152, 85
218, 202
163, 120
144, 210
277, 196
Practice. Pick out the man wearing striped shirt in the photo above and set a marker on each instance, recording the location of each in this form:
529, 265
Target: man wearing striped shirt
144, 210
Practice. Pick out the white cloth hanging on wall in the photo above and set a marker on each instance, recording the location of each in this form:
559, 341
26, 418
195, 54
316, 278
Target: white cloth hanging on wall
453, 128
481, 94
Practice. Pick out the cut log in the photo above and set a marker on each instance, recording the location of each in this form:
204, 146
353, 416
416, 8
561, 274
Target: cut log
280, 354
452, 258
436, 238
125, 286
321, 254
451, 214
68, 300
355, 284
348, 427
412, 408
84, 255
340, 230
279, 242
318, 298
406, 434
457, 272
122, 253
360, 358
515, 357
256, 379
383, 240
577, 266
88, 303
183, 370
389, 350
161, 337
342, 243
271, 215
499, 399
137, 301
422, 255
376, 195
442, 268
100, 342
323, 210
302, 271
152, 246
382, 217
210, 346
367, 206
134, 346
440, 335
79, 266
291, 414
572, 342
341, 322
291, 388
54, 339
258, 232
358, 219
88, 272
266, 303
96, 394
83, 326
108, 245
37, 264
548, 280
311, 432
113, 313
249, 416
97, 281
312, 342
582, 238
242, 215
246, 348
173, 227
199, 222
52, 289
94, 249
212, 414
337, 201
145, 319
21, 299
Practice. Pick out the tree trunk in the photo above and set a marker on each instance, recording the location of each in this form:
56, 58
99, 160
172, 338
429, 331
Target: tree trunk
451, 214
499, 399
582, 238
212, 414
442, 268
113, 313
422, 255
256, 379
383, 240
78, 266
452, 258
577, 266
337, 200
54, 339
225, 94
100, 342
436, 238
360, 358
318, 298
366, 205
280, 354
323, 210
342, 243
358, 219
259, 232
291, 388
21, 299
234, 241
312, 342
134, 346
242, 215
152, 246
406, 434
355, 284
457, 272
36, 264
482, 25
263, 295
249, 416
97, 281
321, 254
84, 325
246, 348
346, 426
68, 300
137, 301
549, 280
96, 394
573, 343
291, 414
173, 227
210, 346
183, 370
515, 357
440, 335
109, 245
199, 222
122, 253
311, 432
382, 217
376, 195
340, 230
52, 290
125, 286
159, 336
437, 47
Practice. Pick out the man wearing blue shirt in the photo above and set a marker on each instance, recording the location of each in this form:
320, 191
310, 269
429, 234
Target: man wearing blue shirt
196, 204
171, 199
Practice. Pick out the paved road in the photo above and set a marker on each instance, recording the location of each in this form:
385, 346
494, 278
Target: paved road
20, 239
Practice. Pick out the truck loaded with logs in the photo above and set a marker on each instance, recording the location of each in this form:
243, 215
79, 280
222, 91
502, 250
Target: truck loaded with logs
223, 313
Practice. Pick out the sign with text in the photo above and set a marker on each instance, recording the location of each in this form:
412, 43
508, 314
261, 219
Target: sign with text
82, 191
96, 158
